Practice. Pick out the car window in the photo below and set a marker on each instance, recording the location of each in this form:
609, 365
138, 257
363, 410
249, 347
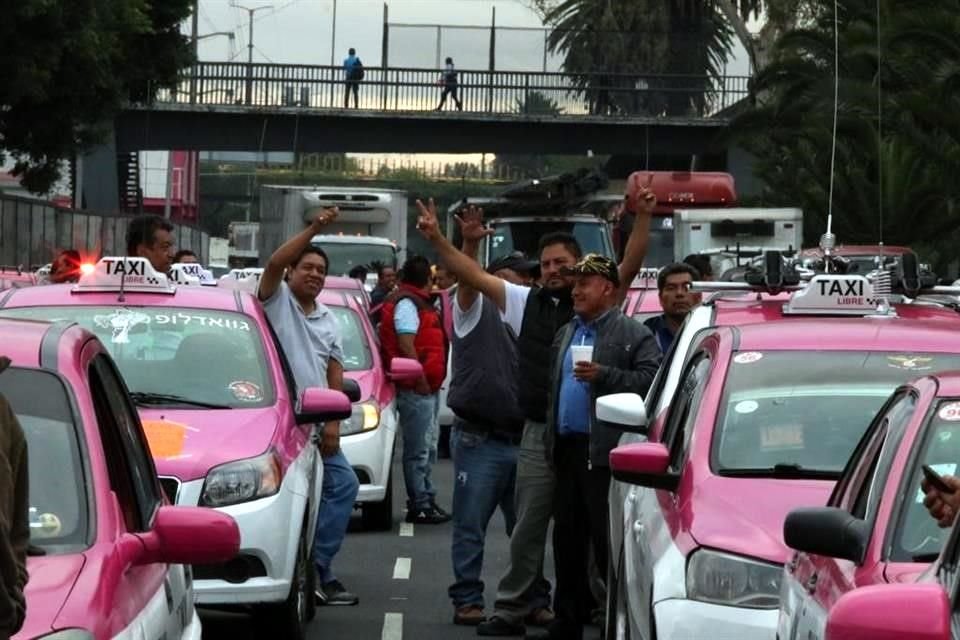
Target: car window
200, 355
132, 474
871, 490
356, 348
915, 533
684, 408
59, 504
806, 409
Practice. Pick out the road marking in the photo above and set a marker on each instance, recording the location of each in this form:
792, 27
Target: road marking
392, 626
406, 529
401, 570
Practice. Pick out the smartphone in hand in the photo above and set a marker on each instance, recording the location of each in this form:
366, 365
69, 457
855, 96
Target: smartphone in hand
935, 480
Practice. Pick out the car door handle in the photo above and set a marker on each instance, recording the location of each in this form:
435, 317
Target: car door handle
638, 528
811, 584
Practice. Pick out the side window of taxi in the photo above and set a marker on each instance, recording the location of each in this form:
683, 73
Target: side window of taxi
684, 408
132, 475
861, 484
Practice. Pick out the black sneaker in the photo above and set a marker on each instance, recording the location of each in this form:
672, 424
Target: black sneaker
333, 594
427, 515
497, 626
439, 509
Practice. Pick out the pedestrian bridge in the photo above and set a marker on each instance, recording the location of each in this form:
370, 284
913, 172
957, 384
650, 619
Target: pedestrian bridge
271, 107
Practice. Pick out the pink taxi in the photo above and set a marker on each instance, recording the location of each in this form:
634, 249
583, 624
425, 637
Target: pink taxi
643, 301
225, 426
107, 552
874, 529
755, 411
368, 436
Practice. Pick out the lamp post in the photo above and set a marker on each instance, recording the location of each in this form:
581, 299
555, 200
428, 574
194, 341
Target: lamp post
333, 33
250, 12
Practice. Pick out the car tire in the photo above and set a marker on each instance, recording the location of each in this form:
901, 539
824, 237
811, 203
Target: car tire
288, 619
378, 516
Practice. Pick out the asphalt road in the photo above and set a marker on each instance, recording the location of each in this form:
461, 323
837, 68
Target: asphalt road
401, 577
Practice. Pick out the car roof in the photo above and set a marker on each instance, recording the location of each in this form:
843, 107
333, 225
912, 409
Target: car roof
21, 340
910, 332
63, 294
948, 383
339, 298
859, 250
353, 239
342, 282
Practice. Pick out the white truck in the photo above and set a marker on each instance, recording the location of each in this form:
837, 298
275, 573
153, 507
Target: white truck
734, 235
372, 226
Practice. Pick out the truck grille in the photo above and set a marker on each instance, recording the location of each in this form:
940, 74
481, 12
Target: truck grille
171, 487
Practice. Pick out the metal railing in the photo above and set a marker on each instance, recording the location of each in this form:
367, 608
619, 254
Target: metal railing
532, 94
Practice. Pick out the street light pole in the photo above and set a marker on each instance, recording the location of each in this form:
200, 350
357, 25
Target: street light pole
333, 34
250, 12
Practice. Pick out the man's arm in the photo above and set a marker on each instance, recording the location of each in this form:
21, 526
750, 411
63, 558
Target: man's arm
472, 230
644, 363
330, 439
467, 270
636, 249
290, 251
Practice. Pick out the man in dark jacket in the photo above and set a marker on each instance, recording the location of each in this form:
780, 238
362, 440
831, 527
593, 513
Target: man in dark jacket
599, 352
14, 518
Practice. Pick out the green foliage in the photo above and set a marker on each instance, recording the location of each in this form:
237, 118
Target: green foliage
913, 83
69, 65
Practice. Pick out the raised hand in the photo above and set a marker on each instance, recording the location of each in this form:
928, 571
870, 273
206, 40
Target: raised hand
471, 224
427, 222
325, 217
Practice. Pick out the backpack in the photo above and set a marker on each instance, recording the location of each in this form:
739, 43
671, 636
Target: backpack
356, 71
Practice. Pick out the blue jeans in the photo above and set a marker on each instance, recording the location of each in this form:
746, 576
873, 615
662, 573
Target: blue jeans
485, 472
416, 420
340, 487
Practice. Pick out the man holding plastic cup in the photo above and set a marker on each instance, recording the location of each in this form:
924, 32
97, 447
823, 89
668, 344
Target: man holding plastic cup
599, 352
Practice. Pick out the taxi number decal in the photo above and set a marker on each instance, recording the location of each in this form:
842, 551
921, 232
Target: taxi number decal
165, 438
950, 412
747, 357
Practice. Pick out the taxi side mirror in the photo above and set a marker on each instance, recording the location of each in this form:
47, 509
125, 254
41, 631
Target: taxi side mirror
352, 390
624, 411
321, 405
644, 463
405, 370
826, 531
891, 612
189, 535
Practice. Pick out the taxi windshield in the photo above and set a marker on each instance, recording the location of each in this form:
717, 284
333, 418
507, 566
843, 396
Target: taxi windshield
356, 349
801, 412
59, 508
917, 536
169, 356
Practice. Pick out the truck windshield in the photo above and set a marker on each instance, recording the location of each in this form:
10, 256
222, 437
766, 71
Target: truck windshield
524, 235
345, 256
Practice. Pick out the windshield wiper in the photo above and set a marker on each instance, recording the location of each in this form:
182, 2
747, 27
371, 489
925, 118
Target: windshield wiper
786, 470
33, 550
146, 398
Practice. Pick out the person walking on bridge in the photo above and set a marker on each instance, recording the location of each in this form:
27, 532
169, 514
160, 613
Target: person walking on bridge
448, 80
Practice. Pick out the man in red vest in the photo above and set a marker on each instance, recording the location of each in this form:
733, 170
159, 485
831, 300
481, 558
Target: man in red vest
410, 327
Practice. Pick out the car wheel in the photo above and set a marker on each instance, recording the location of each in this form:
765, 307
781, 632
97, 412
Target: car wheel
288, 619
378, 516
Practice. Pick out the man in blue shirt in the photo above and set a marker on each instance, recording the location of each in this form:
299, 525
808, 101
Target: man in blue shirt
599, 352
676, 299
353, 72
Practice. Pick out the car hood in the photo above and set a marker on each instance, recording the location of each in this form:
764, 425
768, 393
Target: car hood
51, 580
745, 516
186, 444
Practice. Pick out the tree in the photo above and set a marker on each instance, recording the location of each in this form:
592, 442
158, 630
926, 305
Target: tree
69, 66
892, 178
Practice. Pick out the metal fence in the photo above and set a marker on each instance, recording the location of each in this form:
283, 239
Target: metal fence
32, 231
484, 92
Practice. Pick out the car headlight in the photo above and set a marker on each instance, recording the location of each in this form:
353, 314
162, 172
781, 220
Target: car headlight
365, 417
725, 579
69, 634
242, 481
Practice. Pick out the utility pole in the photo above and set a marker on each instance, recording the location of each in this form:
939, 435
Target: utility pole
250, 12
194, 28
333, 34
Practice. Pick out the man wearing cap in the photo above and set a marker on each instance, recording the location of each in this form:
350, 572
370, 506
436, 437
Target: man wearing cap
599, 352
535, 314
488, 421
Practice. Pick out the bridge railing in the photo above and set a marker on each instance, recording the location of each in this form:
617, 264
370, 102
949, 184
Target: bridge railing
480, 92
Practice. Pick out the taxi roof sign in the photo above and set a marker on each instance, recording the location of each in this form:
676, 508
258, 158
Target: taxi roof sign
179, 274
835, 295
194, 270
242, 279
119, 274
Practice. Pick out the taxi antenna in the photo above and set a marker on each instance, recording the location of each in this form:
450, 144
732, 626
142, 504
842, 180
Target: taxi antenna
123, 278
